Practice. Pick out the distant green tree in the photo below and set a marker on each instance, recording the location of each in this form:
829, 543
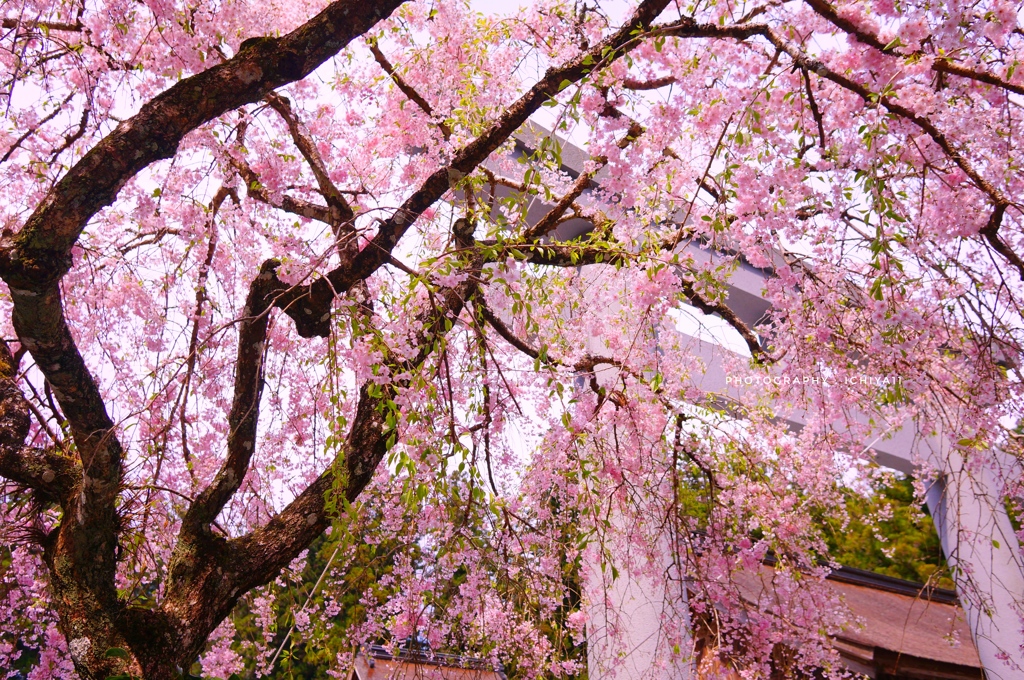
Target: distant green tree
891, 533
310, 654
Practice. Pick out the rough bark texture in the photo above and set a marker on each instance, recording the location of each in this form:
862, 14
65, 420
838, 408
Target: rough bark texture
208, 573
81, 552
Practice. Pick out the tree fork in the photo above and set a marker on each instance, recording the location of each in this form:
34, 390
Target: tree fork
209, 574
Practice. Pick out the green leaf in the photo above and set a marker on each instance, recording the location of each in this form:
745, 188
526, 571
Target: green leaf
117, 653
895, 42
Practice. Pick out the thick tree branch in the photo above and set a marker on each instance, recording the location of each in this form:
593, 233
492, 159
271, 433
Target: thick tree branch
38, 254
581, 254
196, 596
584, 366
46, 471
309, 307
561, 254
39, 321
42, 25
552, 219
503, 330
690, 28
259, 556
496, 181
723, 310
653, 84
244, 415
991, 233
295, 206
815, 112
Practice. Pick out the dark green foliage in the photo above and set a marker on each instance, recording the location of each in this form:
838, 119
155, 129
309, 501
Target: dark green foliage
890, 533
356, 570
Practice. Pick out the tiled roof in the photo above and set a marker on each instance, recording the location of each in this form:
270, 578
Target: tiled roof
377, 663
897, 628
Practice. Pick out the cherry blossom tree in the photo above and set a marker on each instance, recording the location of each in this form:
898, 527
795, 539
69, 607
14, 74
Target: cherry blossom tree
277, 268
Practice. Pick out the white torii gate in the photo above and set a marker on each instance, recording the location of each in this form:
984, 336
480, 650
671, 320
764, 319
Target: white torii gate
967, 507
970, 516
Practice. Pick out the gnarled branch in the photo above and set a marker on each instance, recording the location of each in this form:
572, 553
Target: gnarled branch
341, 212
414, 96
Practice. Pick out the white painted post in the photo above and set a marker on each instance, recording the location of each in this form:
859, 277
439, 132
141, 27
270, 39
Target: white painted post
983, 553
625, 635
